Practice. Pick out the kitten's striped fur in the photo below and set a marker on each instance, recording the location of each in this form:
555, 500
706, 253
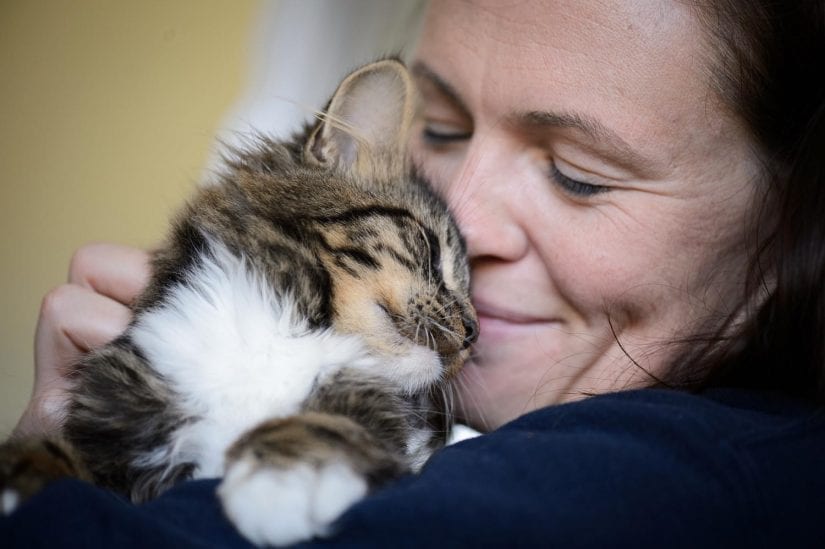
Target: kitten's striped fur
302, 320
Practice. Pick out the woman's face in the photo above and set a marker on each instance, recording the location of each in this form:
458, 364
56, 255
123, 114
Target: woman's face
603, 192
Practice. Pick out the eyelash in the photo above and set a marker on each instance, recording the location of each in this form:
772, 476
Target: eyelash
577, 188
432, 137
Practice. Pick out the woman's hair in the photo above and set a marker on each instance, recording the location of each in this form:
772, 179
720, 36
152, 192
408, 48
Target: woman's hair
768, 65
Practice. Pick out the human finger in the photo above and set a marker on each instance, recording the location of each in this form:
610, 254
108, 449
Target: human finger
116, 271
73, 320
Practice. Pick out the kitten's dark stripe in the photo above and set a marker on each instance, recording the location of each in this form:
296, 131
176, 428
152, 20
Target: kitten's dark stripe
359, 256
319, 279
435, 251
368, 211
343, 264
405, 261
125, 343
171, 268
329, 435
400, 218
413, 242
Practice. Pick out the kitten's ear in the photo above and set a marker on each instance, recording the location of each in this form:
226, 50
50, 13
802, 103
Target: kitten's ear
367, 123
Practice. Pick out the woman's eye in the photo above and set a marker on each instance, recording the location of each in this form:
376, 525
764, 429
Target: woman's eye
441, 134
574, 187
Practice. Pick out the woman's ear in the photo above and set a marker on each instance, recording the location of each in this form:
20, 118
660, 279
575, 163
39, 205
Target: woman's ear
364, 129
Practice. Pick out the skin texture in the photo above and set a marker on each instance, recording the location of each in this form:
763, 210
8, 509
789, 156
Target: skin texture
658, 255
562, 280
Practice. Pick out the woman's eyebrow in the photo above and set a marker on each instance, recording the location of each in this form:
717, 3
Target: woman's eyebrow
421, 70
603, 137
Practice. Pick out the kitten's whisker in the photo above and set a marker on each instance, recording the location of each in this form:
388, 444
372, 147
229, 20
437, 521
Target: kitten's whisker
450, 333
485, 422
430, 337
443, 309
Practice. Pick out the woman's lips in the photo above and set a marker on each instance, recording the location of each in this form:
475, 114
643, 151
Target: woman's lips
508, 313
496, 321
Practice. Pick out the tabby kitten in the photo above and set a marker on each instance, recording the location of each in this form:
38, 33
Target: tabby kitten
295, 338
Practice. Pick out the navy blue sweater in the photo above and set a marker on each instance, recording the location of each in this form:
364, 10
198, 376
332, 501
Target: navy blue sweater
644, 468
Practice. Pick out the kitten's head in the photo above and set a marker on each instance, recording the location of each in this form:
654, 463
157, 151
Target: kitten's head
399, 266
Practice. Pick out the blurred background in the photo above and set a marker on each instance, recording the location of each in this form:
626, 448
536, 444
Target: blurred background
109, 112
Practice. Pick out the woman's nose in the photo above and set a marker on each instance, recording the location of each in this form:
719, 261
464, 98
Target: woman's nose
482, 199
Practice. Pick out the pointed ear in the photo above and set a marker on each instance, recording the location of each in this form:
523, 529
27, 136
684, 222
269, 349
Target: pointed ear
365, 127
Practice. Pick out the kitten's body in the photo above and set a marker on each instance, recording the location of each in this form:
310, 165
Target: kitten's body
302, 317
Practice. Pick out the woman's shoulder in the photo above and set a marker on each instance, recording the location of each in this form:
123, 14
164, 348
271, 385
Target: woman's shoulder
727, 465
727, 431
650, 467
739, 416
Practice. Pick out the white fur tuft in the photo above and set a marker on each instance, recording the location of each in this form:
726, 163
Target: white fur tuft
412, 371
418, 449
279, 507
237, 355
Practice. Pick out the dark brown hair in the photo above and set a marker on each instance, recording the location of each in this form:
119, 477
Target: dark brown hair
768, 63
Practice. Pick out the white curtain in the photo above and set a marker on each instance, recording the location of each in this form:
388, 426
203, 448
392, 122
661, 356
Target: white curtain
301, 50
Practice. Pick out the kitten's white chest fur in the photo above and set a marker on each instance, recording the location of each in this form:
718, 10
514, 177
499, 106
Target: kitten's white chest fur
236, 355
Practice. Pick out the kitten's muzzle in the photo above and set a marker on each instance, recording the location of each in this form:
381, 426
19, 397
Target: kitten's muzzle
470, 330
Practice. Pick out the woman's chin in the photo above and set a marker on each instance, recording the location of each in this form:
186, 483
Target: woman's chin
516, 369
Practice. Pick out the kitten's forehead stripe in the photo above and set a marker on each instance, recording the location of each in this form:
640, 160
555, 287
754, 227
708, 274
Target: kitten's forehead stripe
367, 211
359, 256
405, 261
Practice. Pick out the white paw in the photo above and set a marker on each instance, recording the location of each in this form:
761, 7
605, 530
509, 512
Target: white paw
9, 501
278, 507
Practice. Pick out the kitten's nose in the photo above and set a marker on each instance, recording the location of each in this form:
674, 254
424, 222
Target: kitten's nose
470, 331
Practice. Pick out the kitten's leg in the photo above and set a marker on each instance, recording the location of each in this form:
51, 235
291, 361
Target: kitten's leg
289, 479
122, 421
27, 465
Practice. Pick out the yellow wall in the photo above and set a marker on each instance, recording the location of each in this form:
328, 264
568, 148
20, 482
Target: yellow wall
107, 111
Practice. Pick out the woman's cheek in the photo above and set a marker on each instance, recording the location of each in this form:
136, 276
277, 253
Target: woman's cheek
601, 271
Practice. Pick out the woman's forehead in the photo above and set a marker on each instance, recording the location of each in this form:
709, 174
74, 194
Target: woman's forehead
625, 48
639, 69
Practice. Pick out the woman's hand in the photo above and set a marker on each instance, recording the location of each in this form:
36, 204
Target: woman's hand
89, 311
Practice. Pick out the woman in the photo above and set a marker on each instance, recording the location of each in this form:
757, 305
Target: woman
641, 188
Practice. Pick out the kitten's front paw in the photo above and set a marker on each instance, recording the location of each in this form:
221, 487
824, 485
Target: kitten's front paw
272, 506
289, 479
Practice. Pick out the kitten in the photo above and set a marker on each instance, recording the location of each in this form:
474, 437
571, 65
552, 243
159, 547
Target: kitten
297, 336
